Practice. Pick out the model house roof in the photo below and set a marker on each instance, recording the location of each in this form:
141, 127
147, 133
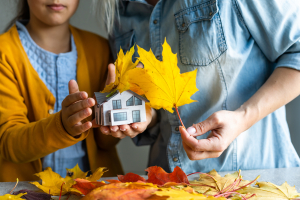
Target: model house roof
102, 97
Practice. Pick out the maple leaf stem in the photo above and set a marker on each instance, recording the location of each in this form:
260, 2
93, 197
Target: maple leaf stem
15, 186
61, 190
246, 184
227, 194
68, 196
179, 117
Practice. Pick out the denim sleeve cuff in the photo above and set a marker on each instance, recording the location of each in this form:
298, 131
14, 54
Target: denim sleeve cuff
290, 60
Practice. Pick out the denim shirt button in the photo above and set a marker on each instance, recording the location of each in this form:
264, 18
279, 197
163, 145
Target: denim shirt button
177, 128
183, 24
155, 21
175, 159
210, 13
157, 57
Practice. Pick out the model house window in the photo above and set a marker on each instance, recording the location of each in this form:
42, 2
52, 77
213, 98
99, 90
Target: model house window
129, 102
136, 116
137, 101
117, 104
120, 116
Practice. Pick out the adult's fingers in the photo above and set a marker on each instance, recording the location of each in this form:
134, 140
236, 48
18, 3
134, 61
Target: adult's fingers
128, 130
140, 65
79, 105
199, 155
111, 75
105, 130
213, 143
73, 87
72, 98
212, 122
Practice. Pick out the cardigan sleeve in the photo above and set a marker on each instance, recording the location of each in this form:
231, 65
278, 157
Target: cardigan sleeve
23, 141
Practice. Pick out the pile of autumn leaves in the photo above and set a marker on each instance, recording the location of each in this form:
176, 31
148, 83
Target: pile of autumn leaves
159, 185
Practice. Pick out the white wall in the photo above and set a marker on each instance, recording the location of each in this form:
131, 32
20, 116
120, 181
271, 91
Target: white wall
134, 158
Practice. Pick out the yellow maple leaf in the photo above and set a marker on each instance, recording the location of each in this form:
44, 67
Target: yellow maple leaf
123, 64
12, 197
270, 191
161, 81
181, 194
53, 182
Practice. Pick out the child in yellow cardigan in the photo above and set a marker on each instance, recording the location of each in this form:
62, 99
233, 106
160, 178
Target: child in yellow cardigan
44, 121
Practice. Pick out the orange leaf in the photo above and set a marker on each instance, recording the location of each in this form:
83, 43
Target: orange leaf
113, 181
122, 191
130, 177
157, 175
85, 186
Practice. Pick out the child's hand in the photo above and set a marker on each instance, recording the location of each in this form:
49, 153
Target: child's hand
75, 108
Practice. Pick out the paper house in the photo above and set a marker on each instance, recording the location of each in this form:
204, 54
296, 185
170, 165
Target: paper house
119, 108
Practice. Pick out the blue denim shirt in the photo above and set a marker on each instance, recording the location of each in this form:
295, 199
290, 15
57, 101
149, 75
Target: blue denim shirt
56, 70
235, 45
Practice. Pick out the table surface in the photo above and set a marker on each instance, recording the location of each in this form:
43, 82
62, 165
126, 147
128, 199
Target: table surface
277, 176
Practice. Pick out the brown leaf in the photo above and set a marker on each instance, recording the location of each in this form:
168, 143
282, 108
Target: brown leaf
31, 195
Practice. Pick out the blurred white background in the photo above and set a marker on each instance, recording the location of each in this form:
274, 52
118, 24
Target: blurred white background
134, 159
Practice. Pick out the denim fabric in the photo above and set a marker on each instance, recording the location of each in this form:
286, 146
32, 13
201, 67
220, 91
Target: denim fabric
56, 70
235, 45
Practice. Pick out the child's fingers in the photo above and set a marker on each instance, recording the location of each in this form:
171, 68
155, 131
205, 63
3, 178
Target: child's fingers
73, 87
80, 128
79, 116
72, 98
78, 106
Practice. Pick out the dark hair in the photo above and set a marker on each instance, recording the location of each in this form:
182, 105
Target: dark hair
23, 12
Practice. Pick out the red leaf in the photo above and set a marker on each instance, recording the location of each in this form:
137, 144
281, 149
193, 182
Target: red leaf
130, 177
85, 186
157, 175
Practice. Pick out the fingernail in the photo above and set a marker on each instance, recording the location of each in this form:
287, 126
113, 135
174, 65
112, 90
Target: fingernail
135, 127
105, 130
114, 130
191, 130
122, 129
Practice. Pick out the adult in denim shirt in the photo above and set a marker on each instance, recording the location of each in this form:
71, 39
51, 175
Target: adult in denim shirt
247, 53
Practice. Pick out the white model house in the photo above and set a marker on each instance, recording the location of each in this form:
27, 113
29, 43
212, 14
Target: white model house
119, 108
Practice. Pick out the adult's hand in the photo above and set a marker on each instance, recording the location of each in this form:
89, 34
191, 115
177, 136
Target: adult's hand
133, 129
281, 87
224, 125
75, 108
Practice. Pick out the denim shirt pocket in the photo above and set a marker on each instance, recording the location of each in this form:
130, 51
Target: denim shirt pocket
201, 36
124, 41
